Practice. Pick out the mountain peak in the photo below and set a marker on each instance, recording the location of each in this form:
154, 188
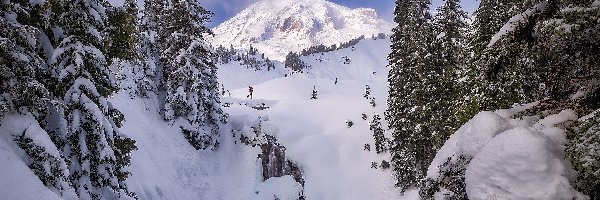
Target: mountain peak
277, 27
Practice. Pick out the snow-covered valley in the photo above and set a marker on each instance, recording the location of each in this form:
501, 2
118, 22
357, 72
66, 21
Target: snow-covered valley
298, 100
331, 155
314, 132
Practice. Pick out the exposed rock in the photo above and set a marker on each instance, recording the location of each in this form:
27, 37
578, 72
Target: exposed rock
274, 162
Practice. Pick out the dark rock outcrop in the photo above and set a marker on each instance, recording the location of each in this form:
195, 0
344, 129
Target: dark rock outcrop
274, 162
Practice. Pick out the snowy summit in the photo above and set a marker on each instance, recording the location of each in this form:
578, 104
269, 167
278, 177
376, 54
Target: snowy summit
276, 27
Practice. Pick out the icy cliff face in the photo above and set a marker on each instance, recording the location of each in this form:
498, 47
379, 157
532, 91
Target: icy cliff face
276, 27
275, 164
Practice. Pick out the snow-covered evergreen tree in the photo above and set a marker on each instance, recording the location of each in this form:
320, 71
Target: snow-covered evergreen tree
380, 140
189, 74
557, 49
96, 149
498, 77
292, 61
129, 51
372, 102
584, 149
489, 18
45, 161
122, 32
147, 78
412, 149
23, 92
19, 64
448, 60
451, 180
367, 94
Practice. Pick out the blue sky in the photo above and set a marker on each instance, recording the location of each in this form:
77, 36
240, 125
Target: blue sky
225, 9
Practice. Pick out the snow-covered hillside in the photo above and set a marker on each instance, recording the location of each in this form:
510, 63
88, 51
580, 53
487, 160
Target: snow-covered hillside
330, 154
314, 131
276, 27
518, 155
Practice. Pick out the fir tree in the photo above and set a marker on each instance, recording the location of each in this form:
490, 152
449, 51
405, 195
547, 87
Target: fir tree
22, 90
441, 82
373, 165
497, 75
314, 93
450, 181
84, 81
349, 123
150, 46
384, 164
489, 18
378, 136
122, 32
189, 74
19, 65
584, 149
130, 50
412, 149
49, 167
367, 92
372, 102
292, 61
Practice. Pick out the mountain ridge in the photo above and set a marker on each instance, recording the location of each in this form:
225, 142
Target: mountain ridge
276, 27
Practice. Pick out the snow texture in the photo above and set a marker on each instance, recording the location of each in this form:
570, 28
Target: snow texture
17, 181
518, 164
516, 21
512, 158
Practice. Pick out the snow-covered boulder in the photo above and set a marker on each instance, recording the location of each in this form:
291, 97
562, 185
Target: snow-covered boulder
507, 158
469, 139
479, 131
520, 163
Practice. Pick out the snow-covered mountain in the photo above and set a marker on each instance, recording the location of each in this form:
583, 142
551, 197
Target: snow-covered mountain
276, 27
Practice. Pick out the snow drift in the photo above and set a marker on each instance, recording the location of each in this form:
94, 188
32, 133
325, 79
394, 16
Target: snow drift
512, 158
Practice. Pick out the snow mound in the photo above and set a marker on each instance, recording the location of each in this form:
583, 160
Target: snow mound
518, 164
512, 158
284, 187
475, 137
469, 139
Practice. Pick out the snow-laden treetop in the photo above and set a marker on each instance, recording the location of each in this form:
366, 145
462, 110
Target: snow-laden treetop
277, 27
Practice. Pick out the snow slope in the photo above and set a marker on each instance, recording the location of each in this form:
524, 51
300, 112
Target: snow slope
331, 155
314, 132
368, 56
17, 181
276, 27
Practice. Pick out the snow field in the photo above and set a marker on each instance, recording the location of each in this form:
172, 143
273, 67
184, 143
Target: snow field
314, 132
